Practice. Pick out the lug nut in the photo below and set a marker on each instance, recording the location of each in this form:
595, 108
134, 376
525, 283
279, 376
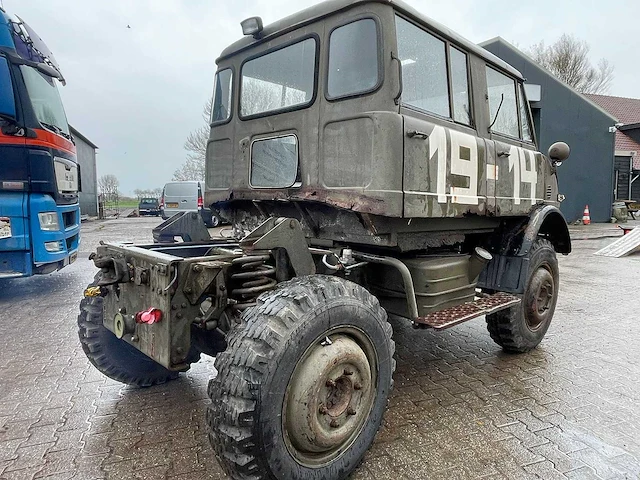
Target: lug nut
351, 411
334, 423
348, 372
323, 410
357, 386
330, 383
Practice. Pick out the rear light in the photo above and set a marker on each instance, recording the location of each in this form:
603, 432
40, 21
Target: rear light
161, 201
200, 202
149, 316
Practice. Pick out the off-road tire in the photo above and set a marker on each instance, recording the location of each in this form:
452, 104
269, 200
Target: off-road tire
245, 417
113, 357
510, 328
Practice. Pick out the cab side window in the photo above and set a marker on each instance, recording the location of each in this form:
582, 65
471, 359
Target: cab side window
7, 102
460, 86
424, 69
503, 109
524, 116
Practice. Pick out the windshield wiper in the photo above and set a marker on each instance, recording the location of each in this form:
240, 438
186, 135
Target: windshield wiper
56, 129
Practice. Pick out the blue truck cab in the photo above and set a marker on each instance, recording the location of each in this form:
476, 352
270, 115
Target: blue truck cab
39, 173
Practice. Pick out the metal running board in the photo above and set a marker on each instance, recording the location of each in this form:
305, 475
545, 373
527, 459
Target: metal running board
467, 311
625, 245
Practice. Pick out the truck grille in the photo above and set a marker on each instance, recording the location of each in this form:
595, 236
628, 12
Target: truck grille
69, 219
72, 242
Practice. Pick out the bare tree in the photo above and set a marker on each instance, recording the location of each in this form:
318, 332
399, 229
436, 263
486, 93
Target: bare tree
568, 59
196, 147
108, 185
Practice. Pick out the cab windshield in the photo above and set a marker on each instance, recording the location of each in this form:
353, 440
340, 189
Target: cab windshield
45, 100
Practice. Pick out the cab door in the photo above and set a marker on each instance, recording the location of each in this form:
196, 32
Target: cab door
445, 160
517, 179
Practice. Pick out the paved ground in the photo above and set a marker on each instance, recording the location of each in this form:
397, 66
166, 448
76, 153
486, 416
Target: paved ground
461, 408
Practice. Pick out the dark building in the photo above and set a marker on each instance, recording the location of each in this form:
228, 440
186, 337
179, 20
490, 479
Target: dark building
562, 114
86, 152
627, 163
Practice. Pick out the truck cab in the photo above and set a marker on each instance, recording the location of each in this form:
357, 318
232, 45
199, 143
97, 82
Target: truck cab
39, 176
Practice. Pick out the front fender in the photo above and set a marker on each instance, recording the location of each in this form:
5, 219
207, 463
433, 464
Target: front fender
549, 222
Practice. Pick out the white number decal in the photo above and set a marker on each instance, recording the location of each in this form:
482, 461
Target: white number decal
464, 162
521, 174
438, 146
529, 176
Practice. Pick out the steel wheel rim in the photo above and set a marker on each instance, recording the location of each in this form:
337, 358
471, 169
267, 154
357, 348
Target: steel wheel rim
327, 403
542, 299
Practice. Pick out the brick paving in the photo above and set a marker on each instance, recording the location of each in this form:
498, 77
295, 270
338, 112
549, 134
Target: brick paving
461, 409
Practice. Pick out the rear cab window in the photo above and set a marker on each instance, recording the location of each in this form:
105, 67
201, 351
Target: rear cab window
281, 80
354, 63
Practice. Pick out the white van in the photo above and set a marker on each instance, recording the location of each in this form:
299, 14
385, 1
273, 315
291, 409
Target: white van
185, 196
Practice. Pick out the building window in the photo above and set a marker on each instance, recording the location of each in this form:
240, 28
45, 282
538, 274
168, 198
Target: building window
353, 59
424, 69
281, 80
460, 86
502, 103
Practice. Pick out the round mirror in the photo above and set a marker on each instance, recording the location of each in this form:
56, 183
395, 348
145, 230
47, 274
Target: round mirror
559, 152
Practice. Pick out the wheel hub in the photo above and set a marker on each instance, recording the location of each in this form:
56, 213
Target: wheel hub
329, 399
541, 300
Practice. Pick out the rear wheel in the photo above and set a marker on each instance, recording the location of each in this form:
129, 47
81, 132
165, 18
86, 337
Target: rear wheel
113, 357
303, 385
522, 327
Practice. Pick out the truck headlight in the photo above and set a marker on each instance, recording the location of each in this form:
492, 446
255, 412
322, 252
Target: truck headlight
52, 246
49, 221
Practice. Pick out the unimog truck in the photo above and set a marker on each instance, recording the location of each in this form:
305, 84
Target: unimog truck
373, 163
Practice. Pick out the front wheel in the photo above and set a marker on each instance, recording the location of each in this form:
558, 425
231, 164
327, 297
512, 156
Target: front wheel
303, 385
522, 327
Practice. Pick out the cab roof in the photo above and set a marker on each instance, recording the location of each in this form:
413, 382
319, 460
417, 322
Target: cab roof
330, 7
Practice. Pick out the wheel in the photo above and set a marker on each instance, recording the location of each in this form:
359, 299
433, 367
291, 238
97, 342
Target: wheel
522, 327
113, 357
303, 384
215, 221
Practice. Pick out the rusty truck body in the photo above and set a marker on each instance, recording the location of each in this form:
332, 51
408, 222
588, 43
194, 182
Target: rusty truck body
373, 163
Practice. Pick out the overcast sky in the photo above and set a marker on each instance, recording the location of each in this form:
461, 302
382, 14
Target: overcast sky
138, 92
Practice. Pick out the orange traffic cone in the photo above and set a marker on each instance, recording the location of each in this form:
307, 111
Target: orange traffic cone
586, 218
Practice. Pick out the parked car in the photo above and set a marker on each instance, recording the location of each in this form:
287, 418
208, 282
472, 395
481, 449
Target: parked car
149, 206
186, 196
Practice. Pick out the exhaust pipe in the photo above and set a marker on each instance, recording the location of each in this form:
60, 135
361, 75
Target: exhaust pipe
477, 262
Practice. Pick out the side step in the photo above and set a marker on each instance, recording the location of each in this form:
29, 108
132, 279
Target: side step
467, 311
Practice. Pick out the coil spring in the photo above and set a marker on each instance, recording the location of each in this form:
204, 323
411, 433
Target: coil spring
254, 278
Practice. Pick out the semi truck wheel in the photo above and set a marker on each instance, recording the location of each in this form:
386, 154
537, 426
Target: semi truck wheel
522, 327
303, 385
113, 357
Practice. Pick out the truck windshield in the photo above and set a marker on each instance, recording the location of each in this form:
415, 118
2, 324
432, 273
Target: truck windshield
45, 99
282, 79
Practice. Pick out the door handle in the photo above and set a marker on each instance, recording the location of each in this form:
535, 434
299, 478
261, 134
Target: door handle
504, 153
417, 134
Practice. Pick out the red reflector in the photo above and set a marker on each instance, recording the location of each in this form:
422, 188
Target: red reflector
150, 316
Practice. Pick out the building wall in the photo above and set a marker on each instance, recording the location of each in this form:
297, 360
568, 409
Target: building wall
621, 173
587, 176
89, 178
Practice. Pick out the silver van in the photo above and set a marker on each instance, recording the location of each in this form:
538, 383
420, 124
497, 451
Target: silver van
185, 196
